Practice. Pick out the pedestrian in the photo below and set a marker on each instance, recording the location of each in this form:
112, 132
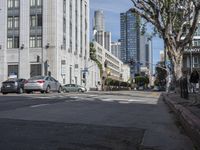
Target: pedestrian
194, 79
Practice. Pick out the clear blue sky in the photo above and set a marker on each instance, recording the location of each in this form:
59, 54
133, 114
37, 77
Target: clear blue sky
112, 10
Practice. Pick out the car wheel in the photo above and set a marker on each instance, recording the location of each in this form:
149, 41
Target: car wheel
48, 89
59, 89
4, 93
28, 92
79, 90
65, 91
42, 92
20, 91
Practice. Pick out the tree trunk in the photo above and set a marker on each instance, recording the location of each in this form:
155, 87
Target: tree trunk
178, 65
176, 57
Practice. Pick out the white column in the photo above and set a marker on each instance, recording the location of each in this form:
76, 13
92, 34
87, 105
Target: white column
24, 60
3, 40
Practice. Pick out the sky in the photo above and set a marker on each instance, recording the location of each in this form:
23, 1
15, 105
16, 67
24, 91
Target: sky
112, 10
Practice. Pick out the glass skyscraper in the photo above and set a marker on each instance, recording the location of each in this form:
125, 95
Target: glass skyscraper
130, 41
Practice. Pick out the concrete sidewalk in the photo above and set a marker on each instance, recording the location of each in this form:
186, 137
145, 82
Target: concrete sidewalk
188, 113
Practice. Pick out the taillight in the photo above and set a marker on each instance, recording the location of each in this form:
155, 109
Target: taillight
40, 81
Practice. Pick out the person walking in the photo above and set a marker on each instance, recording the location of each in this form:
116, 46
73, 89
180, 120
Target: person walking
194, 79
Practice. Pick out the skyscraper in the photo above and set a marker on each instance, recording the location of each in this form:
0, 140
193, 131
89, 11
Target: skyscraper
99, 21
130, 41
146, 55
107, 40
100, 36
116, 49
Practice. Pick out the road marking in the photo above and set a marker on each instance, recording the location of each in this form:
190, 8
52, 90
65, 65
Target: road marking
40, 105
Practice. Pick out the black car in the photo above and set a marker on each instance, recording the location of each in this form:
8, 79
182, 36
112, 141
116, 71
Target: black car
13, 86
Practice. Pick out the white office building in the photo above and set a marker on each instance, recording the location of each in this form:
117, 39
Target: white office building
41, 37
115, 67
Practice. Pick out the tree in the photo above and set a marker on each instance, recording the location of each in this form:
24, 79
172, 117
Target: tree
175, 21
93, 57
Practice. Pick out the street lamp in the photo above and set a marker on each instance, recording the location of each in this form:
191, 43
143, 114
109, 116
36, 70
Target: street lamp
20, 48
44, 64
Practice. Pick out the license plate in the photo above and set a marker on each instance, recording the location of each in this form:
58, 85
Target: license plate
7, 85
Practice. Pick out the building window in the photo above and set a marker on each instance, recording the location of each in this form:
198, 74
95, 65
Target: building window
32, 2
39, 2
10, 3
35, 42
39, 20
39, 41
10, 42
36, 70
12, 69
16, 42
196, 62
35, 3
10, 22
16, 22
32, 42
13, 42
33, 21
16, 2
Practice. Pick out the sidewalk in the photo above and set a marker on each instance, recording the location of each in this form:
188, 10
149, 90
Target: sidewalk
188, 113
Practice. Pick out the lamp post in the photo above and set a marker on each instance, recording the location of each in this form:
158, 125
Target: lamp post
42, 61
20, 48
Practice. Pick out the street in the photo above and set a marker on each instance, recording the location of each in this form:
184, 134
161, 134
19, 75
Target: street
122, 120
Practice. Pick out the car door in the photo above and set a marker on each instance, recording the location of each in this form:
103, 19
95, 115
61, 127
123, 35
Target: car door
56, 83
70, 87
53, 84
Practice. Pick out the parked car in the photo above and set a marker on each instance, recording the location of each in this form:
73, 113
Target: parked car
13, 85
73, 88
42, 84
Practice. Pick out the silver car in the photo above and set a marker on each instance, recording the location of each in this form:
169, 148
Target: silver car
73, 88
42, 84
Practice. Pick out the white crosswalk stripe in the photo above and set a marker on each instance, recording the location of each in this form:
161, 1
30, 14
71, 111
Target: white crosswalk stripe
92, 97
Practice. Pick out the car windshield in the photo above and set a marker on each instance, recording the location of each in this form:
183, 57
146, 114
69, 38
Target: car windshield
37, 78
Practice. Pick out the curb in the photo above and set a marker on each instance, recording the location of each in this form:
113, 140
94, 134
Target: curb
189, 121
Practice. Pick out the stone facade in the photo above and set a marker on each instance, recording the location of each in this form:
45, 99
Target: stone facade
64, 31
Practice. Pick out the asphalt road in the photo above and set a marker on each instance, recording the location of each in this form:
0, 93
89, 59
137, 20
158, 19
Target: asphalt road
91, 121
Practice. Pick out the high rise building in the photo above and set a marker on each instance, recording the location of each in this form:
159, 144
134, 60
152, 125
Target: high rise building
130, 41
107, 40
146, 55
162, 59
40, 37
100, 36
99, 21
116, 49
